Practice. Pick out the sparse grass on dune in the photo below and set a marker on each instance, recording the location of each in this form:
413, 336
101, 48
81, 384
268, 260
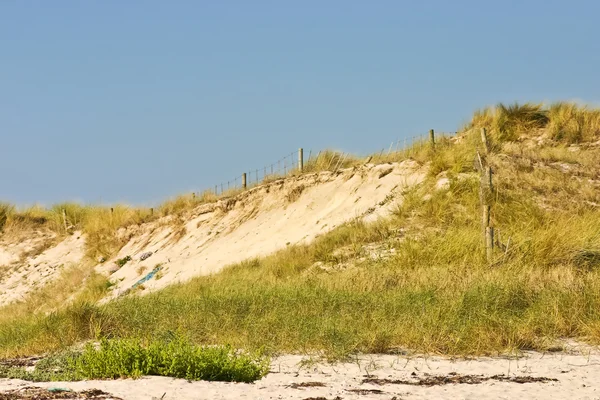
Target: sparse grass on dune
183, 203
100, 224
6, 210
330, 160
571, 123
564, 122
102, 227
77, 284
434, 293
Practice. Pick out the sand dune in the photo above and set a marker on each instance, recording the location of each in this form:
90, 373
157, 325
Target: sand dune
259, 222
254, 223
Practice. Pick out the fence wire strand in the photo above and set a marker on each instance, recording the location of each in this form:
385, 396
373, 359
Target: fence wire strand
403, 147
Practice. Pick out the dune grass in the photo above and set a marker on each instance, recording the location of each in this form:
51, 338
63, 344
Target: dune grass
435, 292
563, 121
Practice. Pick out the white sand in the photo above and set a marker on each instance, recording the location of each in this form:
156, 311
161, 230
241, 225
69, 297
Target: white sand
26, 273
577, 374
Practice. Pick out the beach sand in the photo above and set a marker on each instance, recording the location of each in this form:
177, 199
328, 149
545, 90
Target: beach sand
574, 374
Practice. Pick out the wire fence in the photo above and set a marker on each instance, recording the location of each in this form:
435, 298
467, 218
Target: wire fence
328, 160
252, 177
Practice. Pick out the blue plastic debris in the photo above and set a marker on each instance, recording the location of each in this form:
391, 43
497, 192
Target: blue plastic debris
149, 276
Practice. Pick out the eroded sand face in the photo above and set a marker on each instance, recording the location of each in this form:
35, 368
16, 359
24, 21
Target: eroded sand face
26, 265
261, 221
574, 375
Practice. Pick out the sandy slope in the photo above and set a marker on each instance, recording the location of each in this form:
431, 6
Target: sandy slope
255, 223
31, 263
259, 222
572, 375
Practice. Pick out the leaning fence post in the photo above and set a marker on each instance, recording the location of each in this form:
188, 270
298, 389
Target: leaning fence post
300, 159
489, 243
432, 138
64, 215
484, 139
488, 177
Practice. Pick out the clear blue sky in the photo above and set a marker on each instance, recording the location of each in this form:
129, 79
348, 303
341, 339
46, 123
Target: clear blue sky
136, 101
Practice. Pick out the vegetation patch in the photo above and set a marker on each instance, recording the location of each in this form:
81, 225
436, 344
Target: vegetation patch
294, 194
177, 358
122, 261
564, 122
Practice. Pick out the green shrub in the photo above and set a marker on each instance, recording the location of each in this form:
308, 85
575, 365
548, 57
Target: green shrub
177, 358
122, 261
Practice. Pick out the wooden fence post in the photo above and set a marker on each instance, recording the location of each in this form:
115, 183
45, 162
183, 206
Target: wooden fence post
489, 243
486, 189
64, 215
300, 159
484, 139
432, 138
488, 177
485, 220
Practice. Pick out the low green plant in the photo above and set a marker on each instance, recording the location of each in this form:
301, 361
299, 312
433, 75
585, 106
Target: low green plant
175, 357
122, 261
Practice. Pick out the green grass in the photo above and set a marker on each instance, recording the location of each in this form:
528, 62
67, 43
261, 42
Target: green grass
122, 261
174, 356
436, 293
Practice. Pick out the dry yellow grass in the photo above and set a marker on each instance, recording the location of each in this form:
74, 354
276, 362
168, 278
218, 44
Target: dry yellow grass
563, 122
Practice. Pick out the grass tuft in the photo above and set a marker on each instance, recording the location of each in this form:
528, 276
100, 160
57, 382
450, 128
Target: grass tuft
565, 122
